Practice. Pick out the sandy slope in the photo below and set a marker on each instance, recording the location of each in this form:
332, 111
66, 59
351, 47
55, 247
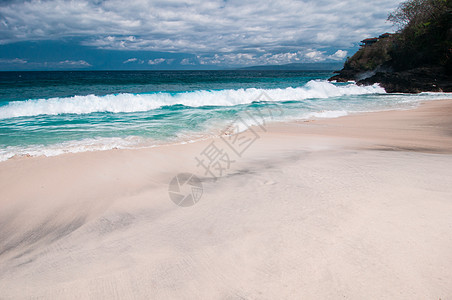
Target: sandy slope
357, 207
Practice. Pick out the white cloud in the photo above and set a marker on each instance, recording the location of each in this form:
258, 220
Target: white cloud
130, 60
74, 63
187, 61
338, 55
13, 61
220, 32
158, 61
315, 56
307, 55
197, 25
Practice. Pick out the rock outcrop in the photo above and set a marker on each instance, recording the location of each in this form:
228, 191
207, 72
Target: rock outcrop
416, 59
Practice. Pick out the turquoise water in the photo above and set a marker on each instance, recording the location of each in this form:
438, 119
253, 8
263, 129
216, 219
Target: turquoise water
49, 113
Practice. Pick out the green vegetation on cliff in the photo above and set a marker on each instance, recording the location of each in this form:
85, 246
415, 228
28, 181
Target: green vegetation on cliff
421, 47
426, 35
368, 58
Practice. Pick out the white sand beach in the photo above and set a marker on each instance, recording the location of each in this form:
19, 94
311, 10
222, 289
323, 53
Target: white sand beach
357, 207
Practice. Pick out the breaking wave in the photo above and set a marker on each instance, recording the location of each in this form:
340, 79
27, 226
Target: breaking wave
126, 103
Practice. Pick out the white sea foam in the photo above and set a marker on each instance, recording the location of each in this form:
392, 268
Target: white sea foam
145, 102
326, 114
85, 145
260, 121
239, 124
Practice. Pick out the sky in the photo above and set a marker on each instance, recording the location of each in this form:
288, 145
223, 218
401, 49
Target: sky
190, 34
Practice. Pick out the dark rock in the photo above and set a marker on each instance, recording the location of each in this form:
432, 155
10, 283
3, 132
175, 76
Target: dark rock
422, 79
344, 76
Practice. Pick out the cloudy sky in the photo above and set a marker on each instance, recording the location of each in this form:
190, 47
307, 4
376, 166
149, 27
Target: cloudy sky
149, 34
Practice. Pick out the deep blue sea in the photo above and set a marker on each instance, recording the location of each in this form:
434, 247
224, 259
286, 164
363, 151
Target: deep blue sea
50, 113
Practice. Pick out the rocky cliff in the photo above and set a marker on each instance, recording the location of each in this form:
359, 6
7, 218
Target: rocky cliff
416, 59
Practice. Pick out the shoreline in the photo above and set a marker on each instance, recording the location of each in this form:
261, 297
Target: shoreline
355, 206
199, 137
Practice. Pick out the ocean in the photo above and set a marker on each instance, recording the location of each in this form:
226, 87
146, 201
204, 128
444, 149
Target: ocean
51, 113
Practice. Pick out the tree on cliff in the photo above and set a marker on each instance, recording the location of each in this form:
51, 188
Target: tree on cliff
417, 58
415, 12
425, 34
